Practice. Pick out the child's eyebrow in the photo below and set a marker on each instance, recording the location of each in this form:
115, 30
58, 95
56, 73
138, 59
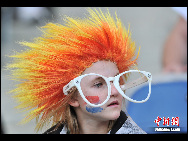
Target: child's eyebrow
117, 74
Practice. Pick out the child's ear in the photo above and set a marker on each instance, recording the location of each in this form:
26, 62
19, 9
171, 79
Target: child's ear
74, 102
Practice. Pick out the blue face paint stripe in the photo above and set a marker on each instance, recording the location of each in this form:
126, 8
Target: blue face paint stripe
94, 109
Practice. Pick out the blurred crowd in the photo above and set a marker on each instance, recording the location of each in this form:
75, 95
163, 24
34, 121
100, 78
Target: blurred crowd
175, 47
24, 15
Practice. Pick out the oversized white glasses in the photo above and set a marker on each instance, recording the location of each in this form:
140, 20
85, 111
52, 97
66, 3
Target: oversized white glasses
95, 89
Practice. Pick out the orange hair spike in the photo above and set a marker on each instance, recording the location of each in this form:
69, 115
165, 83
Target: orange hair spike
63, 53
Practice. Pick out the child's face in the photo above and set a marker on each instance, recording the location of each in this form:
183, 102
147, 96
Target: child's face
110, 110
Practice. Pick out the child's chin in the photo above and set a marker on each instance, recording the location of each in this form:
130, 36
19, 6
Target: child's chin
114, 115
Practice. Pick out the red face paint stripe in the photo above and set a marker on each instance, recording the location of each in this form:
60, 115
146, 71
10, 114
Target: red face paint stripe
92, 99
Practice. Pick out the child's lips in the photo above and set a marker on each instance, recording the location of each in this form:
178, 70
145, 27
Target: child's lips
113, 103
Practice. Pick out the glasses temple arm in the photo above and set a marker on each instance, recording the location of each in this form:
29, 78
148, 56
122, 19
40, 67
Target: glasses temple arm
67, 88
134, 83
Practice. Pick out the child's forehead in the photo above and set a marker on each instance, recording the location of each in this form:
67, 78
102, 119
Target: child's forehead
105, 68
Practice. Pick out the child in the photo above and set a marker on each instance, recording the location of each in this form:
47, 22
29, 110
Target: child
74, 76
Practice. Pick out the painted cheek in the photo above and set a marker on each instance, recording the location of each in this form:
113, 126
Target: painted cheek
93, 109
93, 100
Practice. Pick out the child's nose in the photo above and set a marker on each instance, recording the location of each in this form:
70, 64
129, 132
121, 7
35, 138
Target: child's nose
114, 91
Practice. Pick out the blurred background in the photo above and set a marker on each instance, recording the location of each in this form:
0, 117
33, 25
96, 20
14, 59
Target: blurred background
150, 28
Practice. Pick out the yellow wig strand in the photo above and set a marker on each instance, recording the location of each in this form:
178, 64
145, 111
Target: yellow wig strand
63, 53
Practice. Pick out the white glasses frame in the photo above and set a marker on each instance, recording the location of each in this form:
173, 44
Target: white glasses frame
76, 82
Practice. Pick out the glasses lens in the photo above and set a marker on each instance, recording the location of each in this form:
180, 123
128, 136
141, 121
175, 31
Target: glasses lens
94, 88
131, 82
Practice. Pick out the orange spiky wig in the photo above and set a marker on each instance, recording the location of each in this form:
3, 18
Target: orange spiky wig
63, 53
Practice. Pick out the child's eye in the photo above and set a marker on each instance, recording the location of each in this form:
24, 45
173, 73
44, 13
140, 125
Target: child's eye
98, 85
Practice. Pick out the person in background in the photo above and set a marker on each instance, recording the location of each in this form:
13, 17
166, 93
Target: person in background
175, 47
